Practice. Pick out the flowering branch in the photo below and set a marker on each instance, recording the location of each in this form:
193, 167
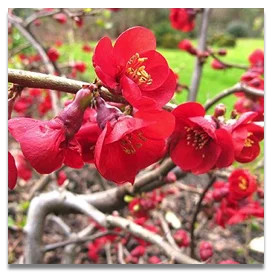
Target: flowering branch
238, 87
45, 81
39, 15
199, 64
229, 65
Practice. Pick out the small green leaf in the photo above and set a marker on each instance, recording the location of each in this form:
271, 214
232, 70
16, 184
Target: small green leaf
128, 198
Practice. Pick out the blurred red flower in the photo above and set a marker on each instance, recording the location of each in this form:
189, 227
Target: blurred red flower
182, 19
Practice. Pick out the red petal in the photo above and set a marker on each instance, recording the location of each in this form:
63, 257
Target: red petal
103, 57
73, 157
158, 130
189, 109
19, 126
157, 66
163, 94
107, 80
205, 124
211, 152
224, 139
245, 118
185, 156
41, 147
258, 131
12, 172
134, 40
131, 91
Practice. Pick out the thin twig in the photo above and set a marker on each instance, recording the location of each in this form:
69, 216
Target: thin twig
196, 77
120, 254
77, 240
166, 230
108, 253
229, 65
238, 87
198, 208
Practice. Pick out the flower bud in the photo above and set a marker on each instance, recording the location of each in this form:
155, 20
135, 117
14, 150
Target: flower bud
222, 52
205, 250
219, 110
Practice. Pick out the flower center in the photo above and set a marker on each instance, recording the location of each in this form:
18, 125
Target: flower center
248, 142
196, 137
243, 185
136, 70
131, 142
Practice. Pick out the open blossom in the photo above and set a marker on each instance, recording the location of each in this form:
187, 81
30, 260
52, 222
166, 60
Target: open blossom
12, 172
187, 46
231, 212
246, 137
49, 144
256, 59
133, 68
128, 144
241, 184
182, 19
196, 144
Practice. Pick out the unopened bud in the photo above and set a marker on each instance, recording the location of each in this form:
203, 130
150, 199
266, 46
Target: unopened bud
219, 110
222, 52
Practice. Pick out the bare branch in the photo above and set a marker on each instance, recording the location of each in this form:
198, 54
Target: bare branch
38, 15
238, 87
199, 64
63, 202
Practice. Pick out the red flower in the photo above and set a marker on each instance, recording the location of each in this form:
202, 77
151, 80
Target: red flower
245, 104
154, 260
128, 144
228, 262
53, 54
87, 137
246, 137
245, 212
256, 59
196, 144
215, 64
49, 144
87, 48
241, 184
205, 250
23, 168
80, 66
182, 239
133, 68
12, 172
187, 46
138, 251
61, 18
221, 190
183, 19
61, 177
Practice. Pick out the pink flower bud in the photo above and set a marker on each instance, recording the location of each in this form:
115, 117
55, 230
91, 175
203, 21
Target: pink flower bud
220, 110
205, 250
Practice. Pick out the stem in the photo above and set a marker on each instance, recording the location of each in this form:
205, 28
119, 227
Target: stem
230, 65
198, 208
199, 64
238, 87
